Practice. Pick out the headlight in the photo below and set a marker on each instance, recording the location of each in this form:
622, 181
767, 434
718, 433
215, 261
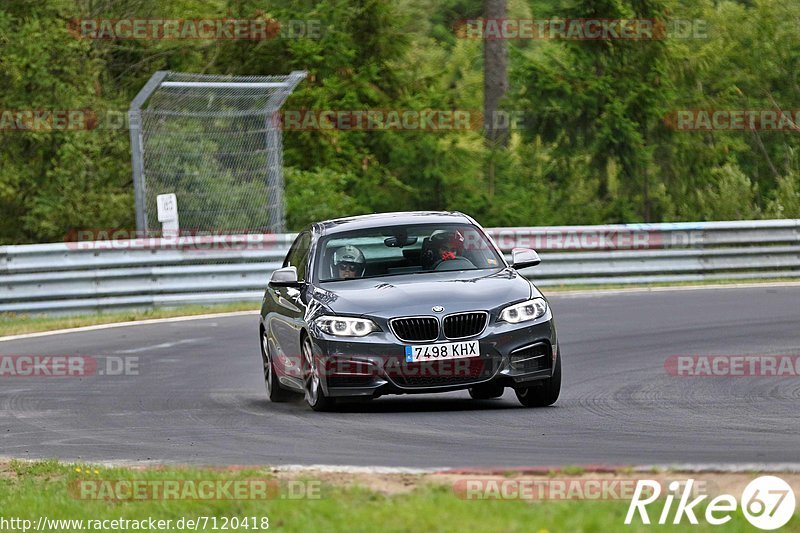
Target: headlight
524, 311
346, 326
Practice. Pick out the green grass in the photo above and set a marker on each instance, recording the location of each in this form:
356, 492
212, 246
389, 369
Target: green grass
16, 324
31, 490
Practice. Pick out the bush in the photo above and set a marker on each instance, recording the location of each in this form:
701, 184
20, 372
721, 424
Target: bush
320, 194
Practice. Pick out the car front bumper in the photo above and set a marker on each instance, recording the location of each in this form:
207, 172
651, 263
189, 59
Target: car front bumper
511, 355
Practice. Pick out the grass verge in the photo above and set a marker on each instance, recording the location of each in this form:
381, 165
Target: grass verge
301, 502
17, 324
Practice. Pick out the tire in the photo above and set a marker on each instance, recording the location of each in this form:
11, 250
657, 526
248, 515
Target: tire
544, 393
487, 391
315, 396
274, 391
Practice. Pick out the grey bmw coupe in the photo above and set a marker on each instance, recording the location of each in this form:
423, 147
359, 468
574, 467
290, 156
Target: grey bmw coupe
399, 303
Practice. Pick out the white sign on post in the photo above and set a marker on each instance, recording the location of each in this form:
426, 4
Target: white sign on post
168, 214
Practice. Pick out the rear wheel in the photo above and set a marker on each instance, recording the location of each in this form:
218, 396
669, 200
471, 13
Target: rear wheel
274, 390
544, 393
486, 392
315, 396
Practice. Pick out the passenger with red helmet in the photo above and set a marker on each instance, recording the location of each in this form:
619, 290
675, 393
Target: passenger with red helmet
444, 245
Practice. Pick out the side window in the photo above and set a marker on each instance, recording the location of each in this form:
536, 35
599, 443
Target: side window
298, 254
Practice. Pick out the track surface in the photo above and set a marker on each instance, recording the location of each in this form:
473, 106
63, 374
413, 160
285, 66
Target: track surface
199, 396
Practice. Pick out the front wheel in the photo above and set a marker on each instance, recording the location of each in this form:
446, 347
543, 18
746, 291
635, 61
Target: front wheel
315, 396
274, 390
544, 393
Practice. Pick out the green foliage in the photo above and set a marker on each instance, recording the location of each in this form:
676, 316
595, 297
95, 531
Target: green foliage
593, 147
785, 202
729, 194
305, 204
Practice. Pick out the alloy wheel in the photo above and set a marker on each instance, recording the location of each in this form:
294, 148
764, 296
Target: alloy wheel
312, 380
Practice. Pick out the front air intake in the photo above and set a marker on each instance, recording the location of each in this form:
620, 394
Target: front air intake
463, 325
415, 328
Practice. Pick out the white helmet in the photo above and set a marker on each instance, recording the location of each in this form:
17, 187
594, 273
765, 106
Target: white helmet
348, 256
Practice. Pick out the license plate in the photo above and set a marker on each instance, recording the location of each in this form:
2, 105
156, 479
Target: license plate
438, 352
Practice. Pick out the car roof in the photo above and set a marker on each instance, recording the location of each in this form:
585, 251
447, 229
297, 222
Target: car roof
399, 218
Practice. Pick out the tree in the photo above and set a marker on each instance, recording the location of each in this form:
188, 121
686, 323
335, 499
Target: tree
601, 104
495, 84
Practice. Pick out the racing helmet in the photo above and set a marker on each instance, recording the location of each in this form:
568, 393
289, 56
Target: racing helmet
431, 247
349, 257
453, 239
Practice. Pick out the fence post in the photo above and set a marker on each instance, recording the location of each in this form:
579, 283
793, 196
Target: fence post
137, 154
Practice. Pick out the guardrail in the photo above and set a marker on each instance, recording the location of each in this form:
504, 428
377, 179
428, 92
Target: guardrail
72, 277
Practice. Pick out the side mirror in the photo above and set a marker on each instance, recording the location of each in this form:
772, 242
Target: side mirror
284, 277
523, 258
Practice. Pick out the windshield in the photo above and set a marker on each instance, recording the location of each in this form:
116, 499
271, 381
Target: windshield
411, 249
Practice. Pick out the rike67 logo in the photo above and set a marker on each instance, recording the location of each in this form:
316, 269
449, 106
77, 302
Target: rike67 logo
768, 502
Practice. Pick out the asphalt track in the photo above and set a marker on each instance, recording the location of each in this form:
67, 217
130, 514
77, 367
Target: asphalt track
199, 396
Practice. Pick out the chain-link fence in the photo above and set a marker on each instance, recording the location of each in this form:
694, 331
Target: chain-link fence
213, 142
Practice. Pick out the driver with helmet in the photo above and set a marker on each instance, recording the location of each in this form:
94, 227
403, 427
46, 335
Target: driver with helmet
348, 263
445, 245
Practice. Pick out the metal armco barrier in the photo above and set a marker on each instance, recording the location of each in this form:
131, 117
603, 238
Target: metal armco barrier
117, 274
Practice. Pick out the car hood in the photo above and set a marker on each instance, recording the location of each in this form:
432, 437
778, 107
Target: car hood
416, 294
